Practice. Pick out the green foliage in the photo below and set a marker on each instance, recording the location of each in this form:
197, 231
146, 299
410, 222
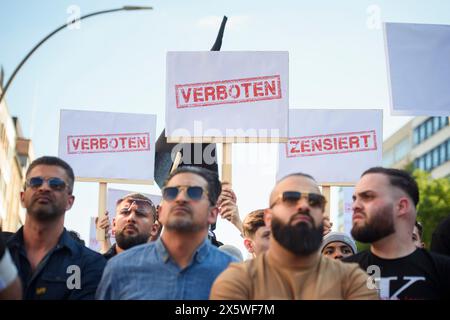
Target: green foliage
434, 204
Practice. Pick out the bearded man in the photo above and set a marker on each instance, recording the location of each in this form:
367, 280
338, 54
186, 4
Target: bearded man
292, 267
384, 214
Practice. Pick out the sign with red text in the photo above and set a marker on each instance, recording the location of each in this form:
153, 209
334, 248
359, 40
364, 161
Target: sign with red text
108, 145
227, 94
334, 146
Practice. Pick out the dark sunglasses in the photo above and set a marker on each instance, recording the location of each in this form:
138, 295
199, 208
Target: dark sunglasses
193, 192
290, 198
143, 207
56, 184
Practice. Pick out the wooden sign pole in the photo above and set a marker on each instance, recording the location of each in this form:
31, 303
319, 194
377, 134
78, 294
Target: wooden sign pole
226, 163
326, 191
100, 233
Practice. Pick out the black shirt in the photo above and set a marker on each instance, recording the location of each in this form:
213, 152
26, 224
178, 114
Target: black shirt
420, 275
69, 271
111, 252
440, 241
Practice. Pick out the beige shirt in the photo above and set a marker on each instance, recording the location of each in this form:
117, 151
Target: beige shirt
320, 278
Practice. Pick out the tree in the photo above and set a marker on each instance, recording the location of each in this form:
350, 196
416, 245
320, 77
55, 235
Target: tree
434, 203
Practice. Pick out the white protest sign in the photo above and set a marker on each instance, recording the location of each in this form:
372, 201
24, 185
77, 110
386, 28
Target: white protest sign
94, 244
115, 194
227, 94
418, 62
108, 146
334, 146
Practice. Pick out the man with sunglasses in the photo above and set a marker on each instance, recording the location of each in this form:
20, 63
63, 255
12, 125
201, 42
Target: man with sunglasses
51, 264
384, 214
182, 263
292, 267
135, 223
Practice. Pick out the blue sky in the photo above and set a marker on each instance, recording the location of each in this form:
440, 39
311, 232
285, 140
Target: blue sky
116, 62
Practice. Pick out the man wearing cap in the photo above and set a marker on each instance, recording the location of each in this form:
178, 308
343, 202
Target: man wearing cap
292, 267
182, 263
338, 245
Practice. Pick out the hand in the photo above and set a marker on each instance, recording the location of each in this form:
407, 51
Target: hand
103, 224
228, 208
327, 224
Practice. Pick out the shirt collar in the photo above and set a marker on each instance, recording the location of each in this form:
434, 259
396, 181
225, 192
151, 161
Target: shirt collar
65, 241
200, 253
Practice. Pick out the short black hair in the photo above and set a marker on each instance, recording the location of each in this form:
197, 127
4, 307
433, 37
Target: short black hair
400, 179
214, 185
297, 174
54, 161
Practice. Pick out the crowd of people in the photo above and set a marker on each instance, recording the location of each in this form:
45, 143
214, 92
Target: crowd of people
165, 250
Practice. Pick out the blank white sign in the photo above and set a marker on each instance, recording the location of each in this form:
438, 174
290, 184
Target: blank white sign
418, 61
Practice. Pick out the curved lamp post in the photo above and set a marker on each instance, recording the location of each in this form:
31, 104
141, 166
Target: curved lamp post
124, 8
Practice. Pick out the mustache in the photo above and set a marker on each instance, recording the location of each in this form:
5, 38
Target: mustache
130, 225
40, 195
183, 207
304, 213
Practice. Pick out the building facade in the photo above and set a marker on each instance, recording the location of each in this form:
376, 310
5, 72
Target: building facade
16, 153
424, 142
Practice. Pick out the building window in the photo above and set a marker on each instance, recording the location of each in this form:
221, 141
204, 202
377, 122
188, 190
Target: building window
423, 133
443, 152
436, 161
437, 123
444, 122
428, 161
422, 163
416, 136
429, 127
448, 149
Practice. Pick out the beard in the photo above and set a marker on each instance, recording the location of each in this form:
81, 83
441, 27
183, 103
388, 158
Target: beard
300, 239
185, 223
378, 226
128, 241
50, 211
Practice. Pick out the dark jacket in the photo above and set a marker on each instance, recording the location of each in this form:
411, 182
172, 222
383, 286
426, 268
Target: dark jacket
70, 271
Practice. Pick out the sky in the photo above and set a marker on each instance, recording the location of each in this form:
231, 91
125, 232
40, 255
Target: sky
116, 62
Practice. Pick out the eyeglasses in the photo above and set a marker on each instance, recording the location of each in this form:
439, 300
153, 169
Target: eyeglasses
290, 198
142, 206
193, 192
56, 184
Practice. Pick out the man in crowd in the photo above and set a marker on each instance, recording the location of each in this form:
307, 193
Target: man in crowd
256, 233
440, 239
292, 267
417, 235
338, 245
182, 263
51, 264
135, 223
384, 213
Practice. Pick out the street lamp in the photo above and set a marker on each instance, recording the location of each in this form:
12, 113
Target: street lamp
124, 8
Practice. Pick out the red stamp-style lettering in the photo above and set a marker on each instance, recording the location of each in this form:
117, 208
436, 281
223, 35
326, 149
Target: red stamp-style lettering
331, 144
106, 143
228, 91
